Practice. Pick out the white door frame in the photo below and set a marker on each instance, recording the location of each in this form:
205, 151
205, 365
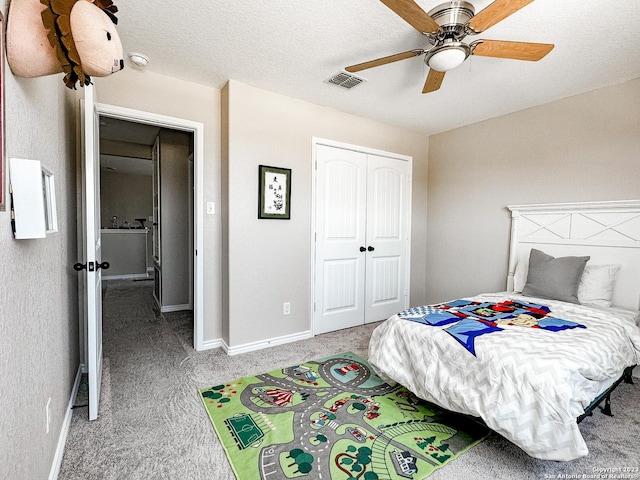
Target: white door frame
92, 251
197, 128
315, 141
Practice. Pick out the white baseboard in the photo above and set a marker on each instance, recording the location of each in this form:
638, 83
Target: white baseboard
175, 308
272, 342
64, 430
130, 276
211, 344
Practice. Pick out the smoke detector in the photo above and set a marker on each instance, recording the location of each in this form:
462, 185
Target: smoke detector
139, 59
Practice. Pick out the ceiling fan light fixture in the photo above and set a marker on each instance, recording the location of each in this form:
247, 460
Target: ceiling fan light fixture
446, 27
447, 57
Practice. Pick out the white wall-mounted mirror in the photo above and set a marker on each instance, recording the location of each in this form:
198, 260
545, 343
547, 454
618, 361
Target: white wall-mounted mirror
49, 194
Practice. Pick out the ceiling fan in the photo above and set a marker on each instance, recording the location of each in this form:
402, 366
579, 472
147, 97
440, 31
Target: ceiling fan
446, 26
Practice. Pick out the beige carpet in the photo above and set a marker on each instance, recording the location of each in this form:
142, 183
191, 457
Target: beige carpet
152, 424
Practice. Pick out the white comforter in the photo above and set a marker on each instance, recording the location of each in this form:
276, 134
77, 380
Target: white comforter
527, 384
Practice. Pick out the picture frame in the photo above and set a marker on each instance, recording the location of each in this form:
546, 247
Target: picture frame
274, 199
3, 163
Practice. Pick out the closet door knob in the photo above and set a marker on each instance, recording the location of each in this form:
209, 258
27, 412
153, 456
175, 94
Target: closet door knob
362, 249
371, 249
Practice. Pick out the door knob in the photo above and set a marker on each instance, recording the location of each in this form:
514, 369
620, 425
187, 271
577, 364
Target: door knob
362, 249
83, 266
371, 249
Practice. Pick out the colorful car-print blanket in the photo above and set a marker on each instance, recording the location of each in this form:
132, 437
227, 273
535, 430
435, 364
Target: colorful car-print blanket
469, 319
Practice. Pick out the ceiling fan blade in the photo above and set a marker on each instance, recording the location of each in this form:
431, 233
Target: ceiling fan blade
434, 80
384, 60
513, 50
495, 12
413, 15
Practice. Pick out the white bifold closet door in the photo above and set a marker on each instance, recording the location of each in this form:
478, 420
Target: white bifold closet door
362, 237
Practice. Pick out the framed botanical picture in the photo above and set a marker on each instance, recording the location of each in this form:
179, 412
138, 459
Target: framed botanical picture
274, 199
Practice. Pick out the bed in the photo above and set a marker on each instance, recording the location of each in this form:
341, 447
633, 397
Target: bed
533, 360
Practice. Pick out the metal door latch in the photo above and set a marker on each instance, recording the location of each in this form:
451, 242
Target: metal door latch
92, 266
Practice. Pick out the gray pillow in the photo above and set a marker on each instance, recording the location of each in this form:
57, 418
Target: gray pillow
554, 278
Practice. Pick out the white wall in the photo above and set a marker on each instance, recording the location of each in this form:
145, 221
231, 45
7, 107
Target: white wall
149, 92
39, 346
127, 196
269, 261
580, 148
267, 129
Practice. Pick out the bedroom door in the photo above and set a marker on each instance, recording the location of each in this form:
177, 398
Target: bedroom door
362, 237
92, 259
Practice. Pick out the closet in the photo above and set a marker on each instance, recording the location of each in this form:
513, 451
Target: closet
362, 236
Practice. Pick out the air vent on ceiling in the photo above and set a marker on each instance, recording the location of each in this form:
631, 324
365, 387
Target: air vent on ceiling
346, 80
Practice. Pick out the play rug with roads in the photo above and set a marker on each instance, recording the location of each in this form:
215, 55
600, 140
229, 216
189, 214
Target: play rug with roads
333, 418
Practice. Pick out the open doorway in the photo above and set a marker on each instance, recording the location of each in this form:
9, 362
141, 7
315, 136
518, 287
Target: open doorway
155, 244
146, 204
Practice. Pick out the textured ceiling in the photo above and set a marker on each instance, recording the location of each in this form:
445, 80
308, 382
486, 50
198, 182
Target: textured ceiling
293, 47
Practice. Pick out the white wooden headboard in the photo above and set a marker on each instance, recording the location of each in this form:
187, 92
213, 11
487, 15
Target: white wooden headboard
607, 231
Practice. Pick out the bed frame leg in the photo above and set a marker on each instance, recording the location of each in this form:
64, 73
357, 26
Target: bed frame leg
607, 407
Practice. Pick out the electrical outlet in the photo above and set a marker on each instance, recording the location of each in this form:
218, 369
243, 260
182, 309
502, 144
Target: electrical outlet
286, 308
211, 208
48, 414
